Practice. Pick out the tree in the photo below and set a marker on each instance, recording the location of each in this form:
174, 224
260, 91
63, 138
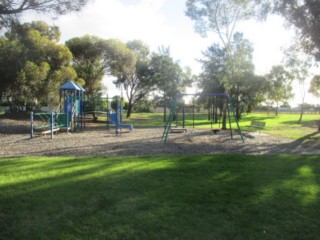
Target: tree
130, 65
211, 78
299, 65
88, 61
279, 86
168, 75
219, 16
303, 15
10, 9
315, 86
244, 87
11, 62
33, 66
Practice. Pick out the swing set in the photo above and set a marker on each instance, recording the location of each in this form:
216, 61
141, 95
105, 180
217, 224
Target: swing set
213, 114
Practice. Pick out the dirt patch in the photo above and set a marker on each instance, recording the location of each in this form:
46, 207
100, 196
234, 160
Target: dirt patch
97, 140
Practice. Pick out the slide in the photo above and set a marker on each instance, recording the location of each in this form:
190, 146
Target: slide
113, 119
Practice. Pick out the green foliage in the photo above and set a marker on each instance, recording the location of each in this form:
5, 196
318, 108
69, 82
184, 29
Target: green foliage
33, 65
132, 72
279, 85
315, 86
235, 75
88, 61
143, 106
114, 103
303, 15
170, 78
160, 197
96, 104
219, 16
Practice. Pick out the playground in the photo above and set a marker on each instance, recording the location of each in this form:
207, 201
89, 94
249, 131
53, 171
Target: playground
97, 140
80, 128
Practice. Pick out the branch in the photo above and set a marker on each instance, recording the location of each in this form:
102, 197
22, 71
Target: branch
5, 11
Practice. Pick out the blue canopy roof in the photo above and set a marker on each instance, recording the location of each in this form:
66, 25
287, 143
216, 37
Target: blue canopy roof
70, 86
81, 88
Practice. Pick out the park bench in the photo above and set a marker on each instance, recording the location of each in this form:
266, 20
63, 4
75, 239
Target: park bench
256, 125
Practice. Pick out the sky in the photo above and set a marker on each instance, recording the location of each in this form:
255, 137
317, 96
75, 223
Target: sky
163, 23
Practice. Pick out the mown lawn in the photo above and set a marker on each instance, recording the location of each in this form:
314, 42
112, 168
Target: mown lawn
283, 125
160, 197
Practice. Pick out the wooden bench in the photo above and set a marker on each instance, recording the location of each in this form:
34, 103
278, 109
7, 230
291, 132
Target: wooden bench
257, 125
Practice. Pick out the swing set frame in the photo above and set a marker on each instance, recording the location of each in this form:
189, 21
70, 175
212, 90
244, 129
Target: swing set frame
173, 110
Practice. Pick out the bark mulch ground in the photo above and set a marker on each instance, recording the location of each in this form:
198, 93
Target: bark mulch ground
98, 141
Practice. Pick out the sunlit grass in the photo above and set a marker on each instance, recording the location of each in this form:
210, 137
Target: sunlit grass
160, 197
285, 125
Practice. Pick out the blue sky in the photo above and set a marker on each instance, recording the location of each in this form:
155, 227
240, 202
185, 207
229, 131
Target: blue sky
163, 23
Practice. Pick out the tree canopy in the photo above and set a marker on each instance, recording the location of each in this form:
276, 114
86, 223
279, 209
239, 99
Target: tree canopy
279, 86
315, 86
303, 15
32, 66
10, 9
219, 16
244, 87
88, 61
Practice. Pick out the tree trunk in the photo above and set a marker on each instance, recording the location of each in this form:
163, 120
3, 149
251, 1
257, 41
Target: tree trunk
129, 110
301, 114
238, 114
224, 116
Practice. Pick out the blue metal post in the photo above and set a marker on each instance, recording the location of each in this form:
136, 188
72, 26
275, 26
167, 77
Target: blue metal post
67, 124
183, 115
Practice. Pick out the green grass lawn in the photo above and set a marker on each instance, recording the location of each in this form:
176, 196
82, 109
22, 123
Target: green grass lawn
283, 125
160, 197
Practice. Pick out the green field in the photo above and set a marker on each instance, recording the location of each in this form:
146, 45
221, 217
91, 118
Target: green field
283, 125
160, 197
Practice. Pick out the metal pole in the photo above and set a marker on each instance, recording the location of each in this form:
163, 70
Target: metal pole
31, 124
67, 123
193, 113
183, 114
165, 111
229, 119
117, 116
51, 124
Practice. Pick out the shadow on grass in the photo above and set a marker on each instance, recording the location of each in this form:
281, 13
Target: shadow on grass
304, 123
187, 197
311, 140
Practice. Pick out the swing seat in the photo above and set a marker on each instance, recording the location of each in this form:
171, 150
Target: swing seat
178, 130
215, 131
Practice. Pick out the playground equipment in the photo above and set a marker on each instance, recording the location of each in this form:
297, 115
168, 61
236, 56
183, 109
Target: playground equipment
116, 117
68, 115
173, 113
47, 123
72, 98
